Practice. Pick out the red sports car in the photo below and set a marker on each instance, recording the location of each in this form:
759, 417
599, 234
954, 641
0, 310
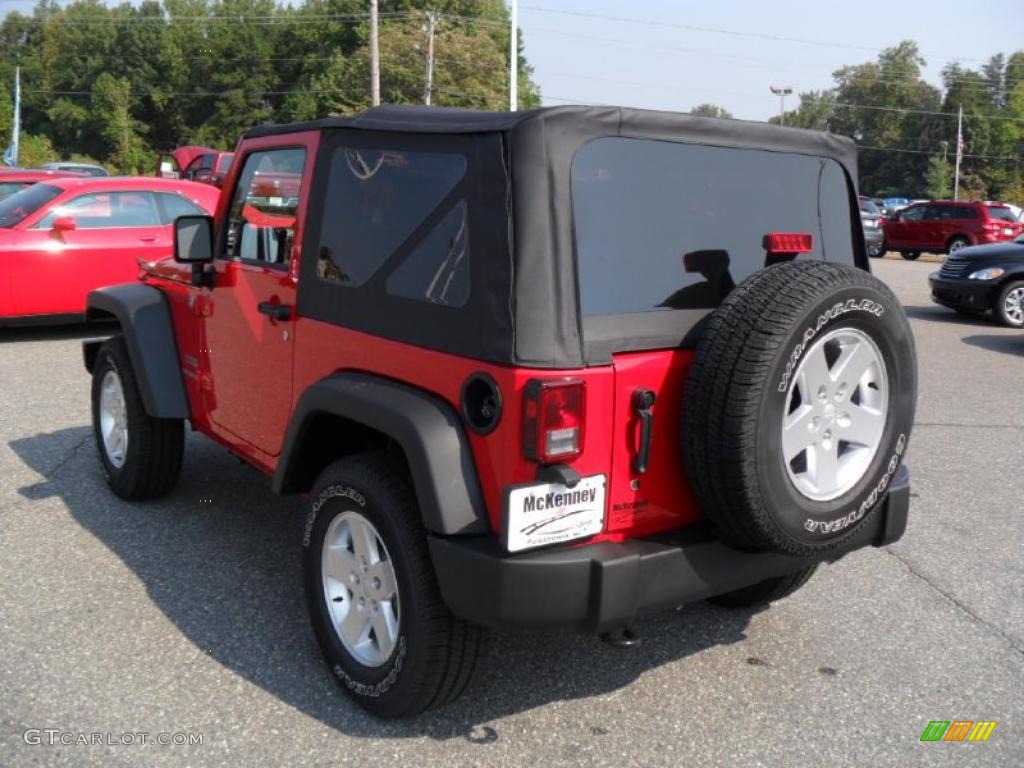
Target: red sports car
18, 179
61, 238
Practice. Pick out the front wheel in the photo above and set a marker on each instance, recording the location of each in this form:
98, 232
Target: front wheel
139, 454
374, 602
910, 255
1009, 306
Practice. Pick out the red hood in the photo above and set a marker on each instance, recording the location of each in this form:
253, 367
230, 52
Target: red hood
185, 155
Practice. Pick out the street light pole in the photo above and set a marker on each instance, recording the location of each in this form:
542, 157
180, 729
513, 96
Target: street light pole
428, 87
513, 59
374, 56
782, 91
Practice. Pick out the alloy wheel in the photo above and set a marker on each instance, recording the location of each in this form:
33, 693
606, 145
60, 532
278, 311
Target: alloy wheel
113, 419
837, 405
360, 589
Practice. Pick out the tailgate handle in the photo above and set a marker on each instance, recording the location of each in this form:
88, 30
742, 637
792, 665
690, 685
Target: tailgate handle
643, 399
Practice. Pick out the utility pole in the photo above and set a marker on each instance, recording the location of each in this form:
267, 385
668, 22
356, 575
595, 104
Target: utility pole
782, 91
374, 56
428, 85
11, 155
959, 152
513, 59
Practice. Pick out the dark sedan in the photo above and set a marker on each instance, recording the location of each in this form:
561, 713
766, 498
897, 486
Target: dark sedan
871, 221
981, 278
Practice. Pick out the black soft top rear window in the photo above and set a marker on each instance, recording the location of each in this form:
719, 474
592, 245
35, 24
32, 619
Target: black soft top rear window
662, 225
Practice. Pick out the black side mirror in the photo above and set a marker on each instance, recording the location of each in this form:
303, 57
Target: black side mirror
193, 244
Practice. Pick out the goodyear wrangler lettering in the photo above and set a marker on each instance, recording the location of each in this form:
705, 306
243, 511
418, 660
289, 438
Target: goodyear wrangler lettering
555, 499
831, 526
840, 308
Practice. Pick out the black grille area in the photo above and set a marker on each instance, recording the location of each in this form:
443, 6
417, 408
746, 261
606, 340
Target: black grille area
954, 268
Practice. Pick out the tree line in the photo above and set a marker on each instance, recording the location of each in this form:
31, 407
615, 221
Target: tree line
907, 128
119, 83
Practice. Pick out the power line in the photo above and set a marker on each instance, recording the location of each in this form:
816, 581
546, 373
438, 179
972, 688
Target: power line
757, 62
938, 151
908, 110
662, 23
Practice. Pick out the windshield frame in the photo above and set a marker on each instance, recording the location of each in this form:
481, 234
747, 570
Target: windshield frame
35, 197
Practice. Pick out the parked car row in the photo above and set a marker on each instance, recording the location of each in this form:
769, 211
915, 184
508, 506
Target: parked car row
78, 233
937, 226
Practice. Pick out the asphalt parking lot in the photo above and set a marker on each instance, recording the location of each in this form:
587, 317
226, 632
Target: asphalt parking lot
187, 615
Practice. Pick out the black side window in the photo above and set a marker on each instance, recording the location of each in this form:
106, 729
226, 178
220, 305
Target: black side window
913, 214
967, 213
376, 200
437, 270
261, 220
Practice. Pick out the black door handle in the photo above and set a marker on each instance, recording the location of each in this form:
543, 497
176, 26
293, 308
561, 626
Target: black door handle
643, 399
278, 312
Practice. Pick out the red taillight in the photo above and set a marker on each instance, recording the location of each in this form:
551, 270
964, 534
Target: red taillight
553, 414
788, 242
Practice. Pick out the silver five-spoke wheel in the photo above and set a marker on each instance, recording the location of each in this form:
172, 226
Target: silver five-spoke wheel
360, 589
1013, 305
113, 418
835, 416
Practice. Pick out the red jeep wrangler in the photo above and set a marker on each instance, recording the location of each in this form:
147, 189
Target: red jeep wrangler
530, 369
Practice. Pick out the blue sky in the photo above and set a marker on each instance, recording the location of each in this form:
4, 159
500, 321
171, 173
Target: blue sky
667, 63
661, 66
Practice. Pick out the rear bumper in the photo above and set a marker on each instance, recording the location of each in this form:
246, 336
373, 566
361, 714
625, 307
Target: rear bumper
601, 586
968, 294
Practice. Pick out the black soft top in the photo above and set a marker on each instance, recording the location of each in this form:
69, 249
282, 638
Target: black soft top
540, 144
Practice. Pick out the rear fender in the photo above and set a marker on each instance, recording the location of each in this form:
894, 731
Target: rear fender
424, 426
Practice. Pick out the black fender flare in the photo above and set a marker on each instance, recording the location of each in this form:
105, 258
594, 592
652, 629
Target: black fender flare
427, 429
145, 320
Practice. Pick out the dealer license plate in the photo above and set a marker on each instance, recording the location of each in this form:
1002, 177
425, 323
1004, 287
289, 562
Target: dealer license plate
550, 513
1007, 230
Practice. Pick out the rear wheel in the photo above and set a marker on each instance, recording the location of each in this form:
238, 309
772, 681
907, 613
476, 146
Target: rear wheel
910, 255
1009, 306
956, 243
140, 455
764, 592
875, 251
798, 407
375, 606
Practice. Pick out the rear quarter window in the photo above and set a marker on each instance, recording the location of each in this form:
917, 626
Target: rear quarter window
665, 225
1001, 214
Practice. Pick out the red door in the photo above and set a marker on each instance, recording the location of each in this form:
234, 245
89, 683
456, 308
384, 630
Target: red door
251, 323
53, 270
907, 230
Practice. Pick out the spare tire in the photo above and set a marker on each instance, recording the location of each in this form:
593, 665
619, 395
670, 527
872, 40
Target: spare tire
798, 407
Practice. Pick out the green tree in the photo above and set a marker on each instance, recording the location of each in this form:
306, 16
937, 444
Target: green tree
710, 110
815, 111
111, 115
879, 104
939, 178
